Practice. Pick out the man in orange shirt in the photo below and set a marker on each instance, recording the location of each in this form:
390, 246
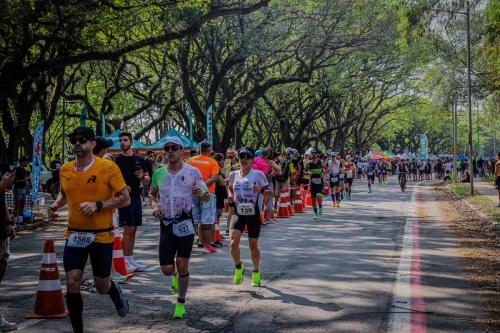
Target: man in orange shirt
92, 187
204, 212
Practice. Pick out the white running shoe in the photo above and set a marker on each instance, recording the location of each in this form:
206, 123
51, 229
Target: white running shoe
130, 267
6, 326
140, 267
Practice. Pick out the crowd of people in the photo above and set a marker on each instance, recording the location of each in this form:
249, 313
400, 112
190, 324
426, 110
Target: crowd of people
187, 191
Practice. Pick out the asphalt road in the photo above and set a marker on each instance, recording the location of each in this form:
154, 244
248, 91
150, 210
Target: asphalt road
337, 274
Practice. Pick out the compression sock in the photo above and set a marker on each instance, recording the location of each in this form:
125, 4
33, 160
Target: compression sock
315, 210
183, 287
75, 309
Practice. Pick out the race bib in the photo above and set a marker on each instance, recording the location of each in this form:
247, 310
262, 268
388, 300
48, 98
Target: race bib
370, 173
341, 176
349, 173
183, 229
334, 179
316, 181
245, 209
80, 239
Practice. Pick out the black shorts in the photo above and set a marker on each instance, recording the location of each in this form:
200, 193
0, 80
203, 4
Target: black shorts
132, 214
348, 181
219, 199
101, 256
252, 222
172, 246
316, 189
498, 183
372, 178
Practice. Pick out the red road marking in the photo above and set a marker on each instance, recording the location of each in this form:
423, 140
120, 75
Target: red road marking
418, 320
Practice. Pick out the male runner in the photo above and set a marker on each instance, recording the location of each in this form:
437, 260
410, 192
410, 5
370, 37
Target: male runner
370, 173
204, 212
315, 169
245, 186
172, 191
135, 172
349, 170
334, 171
92, 187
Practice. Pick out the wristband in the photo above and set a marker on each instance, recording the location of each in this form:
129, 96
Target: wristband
202, 193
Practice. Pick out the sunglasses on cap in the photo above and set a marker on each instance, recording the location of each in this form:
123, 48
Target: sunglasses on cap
172, 148
245, 156
80, 140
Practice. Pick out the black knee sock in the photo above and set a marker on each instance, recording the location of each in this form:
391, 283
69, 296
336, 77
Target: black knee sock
75, 309
315, 210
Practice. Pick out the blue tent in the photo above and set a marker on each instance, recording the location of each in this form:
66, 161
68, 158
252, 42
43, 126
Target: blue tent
116, 143
172, 132
462, 157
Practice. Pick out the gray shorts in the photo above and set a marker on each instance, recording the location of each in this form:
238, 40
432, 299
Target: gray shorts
19, 194
279, 186
204, 212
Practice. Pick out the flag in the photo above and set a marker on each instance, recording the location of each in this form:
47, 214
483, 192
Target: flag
37, 162
424, 153
209, 125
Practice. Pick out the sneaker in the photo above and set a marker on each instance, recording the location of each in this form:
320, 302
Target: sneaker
217, 244
268, 221
118, 278
369, 191
199, 245
6, 326
121, 304
211, 250
264, 222
238, 275
180, 311
140, 267
315, 217
130, 267
174, 283
227, 232
255, 279
88, 285
320, 211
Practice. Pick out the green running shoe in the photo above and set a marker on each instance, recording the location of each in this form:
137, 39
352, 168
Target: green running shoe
255, 279
238, 275
320, 211
118, 278
180, 311
174, 283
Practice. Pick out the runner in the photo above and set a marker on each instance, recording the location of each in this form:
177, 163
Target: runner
7, 233
20, 190
402, 171
273, 170
220, 195
135, 172
173, 189
497, 177
245, 186
349, 170
370, 173
204, 211
334, 170
315, 169
283, 179
92, 187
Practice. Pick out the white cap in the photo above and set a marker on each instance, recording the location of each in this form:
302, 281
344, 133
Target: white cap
174, 139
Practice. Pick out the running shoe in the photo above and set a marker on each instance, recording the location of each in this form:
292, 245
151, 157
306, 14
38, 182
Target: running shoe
121, 303
320, 211
117, 277
130, 267
315, 217
267, 221
88, 285
180, 311
255, 279
140, 267
217, 244
227, 232
6, 326
211, 250
369, 191
174, 283
238, 275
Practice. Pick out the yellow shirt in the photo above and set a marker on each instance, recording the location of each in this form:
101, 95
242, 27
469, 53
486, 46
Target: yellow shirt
99, 183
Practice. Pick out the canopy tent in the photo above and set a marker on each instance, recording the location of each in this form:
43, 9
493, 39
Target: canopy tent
172, 132
389, 153
433, 157
115, 136
462, 157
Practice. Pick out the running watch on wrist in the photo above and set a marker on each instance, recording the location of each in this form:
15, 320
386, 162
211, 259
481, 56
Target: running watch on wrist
98, 204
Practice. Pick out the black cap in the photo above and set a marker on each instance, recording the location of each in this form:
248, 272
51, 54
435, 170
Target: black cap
205, 144
248, 151
102, 143
84, 131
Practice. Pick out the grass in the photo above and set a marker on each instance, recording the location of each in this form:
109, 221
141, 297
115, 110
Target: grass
487, 179
480, 201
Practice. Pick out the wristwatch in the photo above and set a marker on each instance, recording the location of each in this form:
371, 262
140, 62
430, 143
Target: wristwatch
98, 204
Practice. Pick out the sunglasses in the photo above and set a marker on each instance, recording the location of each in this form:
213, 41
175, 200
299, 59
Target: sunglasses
245, 156
172, 148
80, 140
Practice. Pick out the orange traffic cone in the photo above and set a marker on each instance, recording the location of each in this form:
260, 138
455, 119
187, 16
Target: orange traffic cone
309, 201
49, 302
118, 258
283, 204
298, 204
290, 209
326, 189
218, 238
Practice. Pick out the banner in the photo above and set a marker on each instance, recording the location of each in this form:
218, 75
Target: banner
36, 163
424, 153
190, 110
83, 116
103, 125
209, 125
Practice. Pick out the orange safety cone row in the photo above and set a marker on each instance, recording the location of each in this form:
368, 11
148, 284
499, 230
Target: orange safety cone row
267, 217
290, 208
218, 237
326, 189
298, 203
283, 204
49, 301
118, 258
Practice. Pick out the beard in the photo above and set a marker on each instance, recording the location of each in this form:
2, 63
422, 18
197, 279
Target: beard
78, 151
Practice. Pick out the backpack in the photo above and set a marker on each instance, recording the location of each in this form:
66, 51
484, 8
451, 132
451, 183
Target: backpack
285, 171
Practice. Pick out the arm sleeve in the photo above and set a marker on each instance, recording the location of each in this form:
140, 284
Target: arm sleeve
116, 178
